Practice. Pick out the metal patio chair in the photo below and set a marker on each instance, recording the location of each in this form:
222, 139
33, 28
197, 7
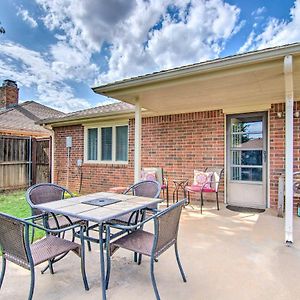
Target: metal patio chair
166, 224
144, 188
157, 174
209, 186
48, 192
15, 246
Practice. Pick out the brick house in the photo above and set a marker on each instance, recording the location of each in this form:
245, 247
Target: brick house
240, 112
20, 119
25, 146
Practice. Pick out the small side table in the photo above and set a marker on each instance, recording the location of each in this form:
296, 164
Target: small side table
180, 185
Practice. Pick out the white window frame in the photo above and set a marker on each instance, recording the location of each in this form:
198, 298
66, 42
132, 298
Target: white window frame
114, 142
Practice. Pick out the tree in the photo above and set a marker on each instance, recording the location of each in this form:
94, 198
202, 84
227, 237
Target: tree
2, 30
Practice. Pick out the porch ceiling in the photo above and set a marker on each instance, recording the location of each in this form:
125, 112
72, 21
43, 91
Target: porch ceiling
236, 85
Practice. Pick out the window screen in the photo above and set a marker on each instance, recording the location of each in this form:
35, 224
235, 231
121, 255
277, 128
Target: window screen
106, 143
121, 143
92, 143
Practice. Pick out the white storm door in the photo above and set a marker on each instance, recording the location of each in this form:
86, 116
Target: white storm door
247, 160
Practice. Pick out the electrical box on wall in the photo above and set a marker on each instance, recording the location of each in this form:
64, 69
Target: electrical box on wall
68, 141
79, 162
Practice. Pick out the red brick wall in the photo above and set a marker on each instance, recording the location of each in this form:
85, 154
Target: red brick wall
277, 149
178, 143
182, 143
8, 96
95, 177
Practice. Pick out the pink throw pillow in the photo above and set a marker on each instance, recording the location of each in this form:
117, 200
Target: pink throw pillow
149, 176
200, 178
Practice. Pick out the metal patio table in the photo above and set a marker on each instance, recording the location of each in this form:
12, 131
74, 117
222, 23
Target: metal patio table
82, 208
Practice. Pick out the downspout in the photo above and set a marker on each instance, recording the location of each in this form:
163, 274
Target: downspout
52, 154
137, 141
52, 151
289, 148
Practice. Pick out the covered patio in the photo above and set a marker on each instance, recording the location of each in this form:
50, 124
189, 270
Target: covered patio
225, 255
236, 85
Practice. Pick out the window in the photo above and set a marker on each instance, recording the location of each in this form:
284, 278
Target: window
92, 143
107, 144
121, 143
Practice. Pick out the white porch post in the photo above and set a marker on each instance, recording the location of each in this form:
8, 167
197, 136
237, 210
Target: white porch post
289, 155
137, 141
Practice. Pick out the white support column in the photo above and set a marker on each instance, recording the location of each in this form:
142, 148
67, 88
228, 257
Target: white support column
289, 148
137, 141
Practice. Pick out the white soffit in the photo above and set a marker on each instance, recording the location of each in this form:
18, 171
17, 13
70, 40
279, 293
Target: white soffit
255, 84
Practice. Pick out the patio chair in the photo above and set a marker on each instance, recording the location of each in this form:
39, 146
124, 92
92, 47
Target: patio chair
157, 174
166, 224
144, 188
48, 192
206, 182
16, 248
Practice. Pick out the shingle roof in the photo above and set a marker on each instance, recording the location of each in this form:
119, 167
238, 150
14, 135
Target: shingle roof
92, 112
23, 117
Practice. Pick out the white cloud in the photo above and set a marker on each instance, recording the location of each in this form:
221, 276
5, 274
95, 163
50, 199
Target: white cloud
37, 71
277, 32
72, 63
142, 36
199, 32
259, 11
24, 13
248, 43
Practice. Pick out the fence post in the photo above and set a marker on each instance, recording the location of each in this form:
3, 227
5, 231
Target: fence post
33, 161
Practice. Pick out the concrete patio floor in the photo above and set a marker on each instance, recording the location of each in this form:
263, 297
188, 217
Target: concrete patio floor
226, 255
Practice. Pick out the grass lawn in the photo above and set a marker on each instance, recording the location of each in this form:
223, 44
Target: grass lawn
14, 203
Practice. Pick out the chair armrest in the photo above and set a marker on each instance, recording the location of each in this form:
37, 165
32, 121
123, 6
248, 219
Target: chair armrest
152, 209
52, 230
36, 217
208, 182
130, 227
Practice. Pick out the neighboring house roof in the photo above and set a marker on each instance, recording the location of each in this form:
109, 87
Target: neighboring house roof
22, 118
253, 144
95, 112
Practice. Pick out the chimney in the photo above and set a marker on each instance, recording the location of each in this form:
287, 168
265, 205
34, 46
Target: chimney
9, 94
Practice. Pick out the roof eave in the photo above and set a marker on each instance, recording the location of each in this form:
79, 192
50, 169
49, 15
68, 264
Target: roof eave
210, 66
79, 119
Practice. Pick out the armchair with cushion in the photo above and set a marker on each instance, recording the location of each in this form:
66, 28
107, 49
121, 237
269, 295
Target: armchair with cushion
206, 182
157, 174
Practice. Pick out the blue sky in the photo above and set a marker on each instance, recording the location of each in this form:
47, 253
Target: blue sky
56, 50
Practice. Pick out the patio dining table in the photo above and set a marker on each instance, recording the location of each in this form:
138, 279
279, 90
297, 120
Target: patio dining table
98, 208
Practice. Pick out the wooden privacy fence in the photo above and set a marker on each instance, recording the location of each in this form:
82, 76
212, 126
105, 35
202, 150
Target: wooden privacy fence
23, 161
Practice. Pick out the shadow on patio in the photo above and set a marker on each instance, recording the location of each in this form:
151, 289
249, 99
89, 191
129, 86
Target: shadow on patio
226, 255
